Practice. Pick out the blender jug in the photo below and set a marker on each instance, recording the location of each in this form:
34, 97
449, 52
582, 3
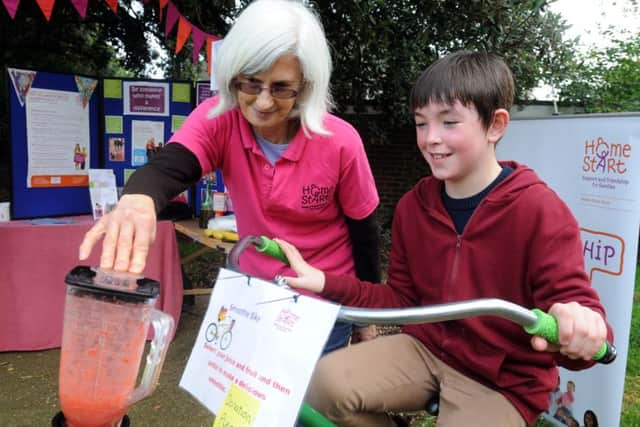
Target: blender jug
106, 320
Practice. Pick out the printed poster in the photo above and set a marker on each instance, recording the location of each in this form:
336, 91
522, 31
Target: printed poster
203, 92
146, 98
256, 350
147, 138
58, 138
102, 191
593, 163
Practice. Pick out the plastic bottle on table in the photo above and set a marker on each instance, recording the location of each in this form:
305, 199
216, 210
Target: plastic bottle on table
206, 204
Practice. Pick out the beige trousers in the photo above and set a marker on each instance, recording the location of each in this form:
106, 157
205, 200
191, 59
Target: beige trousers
358, 385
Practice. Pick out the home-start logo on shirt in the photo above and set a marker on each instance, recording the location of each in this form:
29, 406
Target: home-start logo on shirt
605, 163
316, 196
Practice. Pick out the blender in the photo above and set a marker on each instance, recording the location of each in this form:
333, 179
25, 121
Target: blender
106, 321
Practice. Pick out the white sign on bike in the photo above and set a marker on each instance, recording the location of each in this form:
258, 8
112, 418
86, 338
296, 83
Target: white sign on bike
256, 350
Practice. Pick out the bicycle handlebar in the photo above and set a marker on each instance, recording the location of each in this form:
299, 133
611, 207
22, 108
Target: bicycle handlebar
534, 321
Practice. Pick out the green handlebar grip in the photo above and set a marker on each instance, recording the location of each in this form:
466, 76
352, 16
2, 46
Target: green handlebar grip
310, 417
547, 327
271, 248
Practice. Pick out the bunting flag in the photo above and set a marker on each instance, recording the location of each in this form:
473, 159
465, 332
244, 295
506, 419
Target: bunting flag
21, 80
184, 29
172, 18
86, 86
81, 7
47, 7
163, 4
11, 6
209, 55
198, 36
113, 4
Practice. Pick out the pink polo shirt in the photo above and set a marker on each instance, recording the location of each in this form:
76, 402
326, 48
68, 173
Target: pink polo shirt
303, 199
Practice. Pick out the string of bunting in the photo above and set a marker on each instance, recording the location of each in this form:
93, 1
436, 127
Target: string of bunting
46, 6
185, 28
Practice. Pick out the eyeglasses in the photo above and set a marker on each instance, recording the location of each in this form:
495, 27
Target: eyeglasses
256, 88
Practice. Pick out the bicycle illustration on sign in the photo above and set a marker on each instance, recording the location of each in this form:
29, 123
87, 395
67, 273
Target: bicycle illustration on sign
221, 330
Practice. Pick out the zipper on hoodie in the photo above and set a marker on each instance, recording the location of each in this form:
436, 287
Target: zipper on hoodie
454, 269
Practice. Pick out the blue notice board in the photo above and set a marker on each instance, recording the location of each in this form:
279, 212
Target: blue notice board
50, 159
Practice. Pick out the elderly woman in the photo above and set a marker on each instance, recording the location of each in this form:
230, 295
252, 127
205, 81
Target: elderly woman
292, 169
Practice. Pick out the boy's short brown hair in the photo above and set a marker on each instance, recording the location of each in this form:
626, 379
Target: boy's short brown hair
480, 79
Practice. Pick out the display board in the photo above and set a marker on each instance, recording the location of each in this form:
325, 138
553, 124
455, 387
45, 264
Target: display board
593, 163
54, 141
62, 125
139, 117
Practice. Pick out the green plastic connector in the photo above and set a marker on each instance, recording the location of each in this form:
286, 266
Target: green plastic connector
547, 328
309, 417
271, 248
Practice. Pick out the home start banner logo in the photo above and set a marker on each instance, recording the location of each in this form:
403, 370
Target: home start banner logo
256, 350
592, 162
606, 163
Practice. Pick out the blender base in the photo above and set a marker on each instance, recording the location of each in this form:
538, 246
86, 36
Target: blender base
59, 421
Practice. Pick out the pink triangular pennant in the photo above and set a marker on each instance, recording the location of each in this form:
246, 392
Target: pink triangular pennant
11, 6
47, 7
198, 37
184, 29
172, 17
113, 4
81, 7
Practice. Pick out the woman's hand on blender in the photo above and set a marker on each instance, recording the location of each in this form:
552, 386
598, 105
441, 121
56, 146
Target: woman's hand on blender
128, 232
309, 278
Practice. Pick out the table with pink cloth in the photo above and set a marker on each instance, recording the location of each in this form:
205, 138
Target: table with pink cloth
35, 257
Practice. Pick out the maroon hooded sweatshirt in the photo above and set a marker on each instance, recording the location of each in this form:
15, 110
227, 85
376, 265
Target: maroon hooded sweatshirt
522, 244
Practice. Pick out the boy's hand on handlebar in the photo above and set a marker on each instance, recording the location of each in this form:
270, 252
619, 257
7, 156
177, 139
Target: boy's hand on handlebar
581, 331
128, 232
309, 278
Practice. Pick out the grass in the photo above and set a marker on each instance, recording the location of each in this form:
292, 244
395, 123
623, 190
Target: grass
631, 400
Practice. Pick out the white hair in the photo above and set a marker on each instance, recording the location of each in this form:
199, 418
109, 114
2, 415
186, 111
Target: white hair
264, 32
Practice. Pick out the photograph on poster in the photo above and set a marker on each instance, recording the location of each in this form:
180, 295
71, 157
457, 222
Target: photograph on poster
147, 137
116, 149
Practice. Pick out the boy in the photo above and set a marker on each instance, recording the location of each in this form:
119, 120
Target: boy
476, 228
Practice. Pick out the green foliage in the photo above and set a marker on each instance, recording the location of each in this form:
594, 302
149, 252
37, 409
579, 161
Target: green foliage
605, 79
381, 47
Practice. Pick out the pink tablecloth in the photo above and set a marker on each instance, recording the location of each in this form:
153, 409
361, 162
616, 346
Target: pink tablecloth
34, 260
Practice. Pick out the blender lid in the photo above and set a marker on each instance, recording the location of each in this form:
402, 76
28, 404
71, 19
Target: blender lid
113, 282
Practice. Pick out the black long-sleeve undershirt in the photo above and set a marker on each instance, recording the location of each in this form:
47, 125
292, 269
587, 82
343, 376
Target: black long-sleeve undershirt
171, 171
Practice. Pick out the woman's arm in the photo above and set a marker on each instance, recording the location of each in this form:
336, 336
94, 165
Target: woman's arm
365, 241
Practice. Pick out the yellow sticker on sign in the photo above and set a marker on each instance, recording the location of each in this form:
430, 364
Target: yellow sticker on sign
239, 409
